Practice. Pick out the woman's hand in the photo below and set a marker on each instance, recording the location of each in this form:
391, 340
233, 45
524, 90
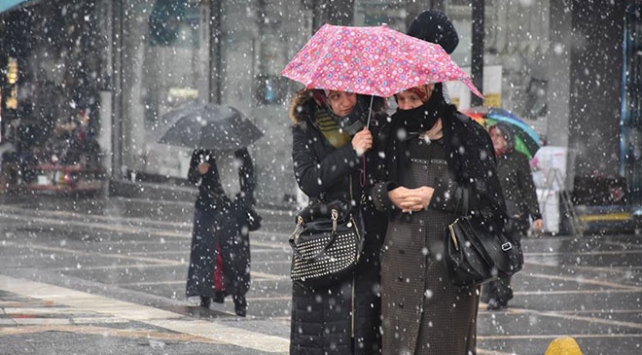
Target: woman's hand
203, 168
362, 141
409, 200
425, 193
538, 224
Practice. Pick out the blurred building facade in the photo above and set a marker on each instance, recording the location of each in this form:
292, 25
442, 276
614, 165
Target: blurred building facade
570, 68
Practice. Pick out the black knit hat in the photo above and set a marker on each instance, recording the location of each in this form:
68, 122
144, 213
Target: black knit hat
435, 27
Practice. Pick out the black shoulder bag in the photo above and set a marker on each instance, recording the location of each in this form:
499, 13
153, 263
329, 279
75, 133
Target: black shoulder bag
326, 242
478, 250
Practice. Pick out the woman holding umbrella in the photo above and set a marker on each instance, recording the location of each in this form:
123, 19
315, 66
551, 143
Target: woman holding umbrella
220, 253
433, 154
521, 203
331, 148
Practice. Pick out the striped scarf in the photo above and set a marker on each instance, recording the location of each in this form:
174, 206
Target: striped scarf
330, 129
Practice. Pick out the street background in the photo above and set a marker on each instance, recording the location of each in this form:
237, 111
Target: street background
107, 276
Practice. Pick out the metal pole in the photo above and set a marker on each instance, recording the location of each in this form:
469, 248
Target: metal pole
216, 59
477, 51
118, 14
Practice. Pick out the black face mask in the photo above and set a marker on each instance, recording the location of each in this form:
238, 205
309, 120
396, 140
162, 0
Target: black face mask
418, 119
424, 117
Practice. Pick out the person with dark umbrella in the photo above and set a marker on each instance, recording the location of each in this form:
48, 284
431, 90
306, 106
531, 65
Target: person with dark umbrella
222, 168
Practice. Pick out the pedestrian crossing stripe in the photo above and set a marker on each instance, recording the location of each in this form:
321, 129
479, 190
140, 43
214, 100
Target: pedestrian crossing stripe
86, 302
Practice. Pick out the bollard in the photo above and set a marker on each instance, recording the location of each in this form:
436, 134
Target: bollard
563, 346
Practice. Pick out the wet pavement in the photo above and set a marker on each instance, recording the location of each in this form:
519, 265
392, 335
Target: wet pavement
107, 276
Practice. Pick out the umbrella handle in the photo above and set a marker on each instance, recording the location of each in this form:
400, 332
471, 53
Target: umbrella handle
363, 175
370, 111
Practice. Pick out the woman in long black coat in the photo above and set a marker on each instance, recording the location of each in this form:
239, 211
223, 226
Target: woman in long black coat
514, 173
434, 154
343, 318
220, 253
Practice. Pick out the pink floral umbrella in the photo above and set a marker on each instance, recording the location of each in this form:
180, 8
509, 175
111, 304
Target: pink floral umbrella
371, 61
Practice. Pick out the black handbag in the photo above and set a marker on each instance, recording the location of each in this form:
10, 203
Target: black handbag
326, 243
253, 219
479, 250
246, 214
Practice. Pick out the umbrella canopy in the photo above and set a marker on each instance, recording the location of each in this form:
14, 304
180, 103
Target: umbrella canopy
209, 126
7, 5
371, 61
526, 139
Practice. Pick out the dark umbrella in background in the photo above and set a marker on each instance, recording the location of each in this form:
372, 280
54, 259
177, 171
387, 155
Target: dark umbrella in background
209, 126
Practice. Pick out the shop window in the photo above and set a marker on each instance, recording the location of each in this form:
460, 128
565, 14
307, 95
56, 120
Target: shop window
163, 68
270, 89
536, 98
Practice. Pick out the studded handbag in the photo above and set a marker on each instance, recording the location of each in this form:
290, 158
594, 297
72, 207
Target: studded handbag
326, 243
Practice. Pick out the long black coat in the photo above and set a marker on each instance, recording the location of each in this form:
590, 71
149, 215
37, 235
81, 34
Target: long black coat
519, 190
469, 155
423, 313
219, 228
322, 318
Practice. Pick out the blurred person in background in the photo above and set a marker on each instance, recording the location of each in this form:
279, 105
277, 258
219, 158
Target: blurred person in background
220, 252
521, 203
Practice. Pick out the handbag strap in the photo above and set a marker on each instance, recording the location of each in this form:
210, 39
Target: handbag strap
466, 198
464, 201
334, 234
317, 255
362, 199
334, 217
363, 196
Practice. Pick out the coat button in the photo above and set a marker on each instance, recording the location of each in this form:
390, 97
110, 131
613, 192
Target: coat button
425, 167
400, 304
400, 278
421, 222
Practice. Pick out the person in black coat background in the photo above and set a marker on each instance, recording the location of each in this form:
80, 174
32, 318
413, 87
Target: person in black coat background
516, 179
331, 149
220, 253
